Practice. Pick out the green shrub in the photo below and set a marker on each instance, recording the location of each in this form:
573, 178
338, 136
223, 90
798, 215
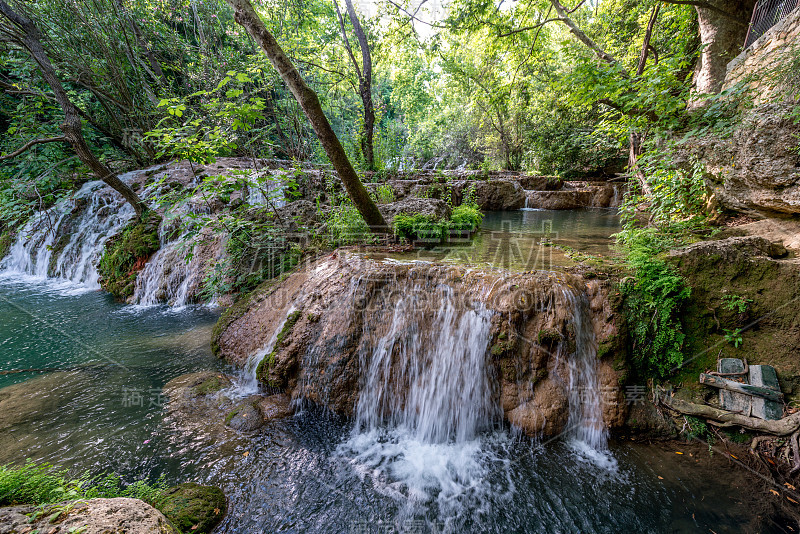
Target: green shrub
42, 484
466, 217
346, 226
384, 194
653, 303
419, 227
126, 253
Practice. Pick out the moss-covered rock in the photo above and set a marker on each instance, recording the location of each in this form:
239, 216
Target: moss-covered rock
193, 508
266, 364
127, 253
6, 240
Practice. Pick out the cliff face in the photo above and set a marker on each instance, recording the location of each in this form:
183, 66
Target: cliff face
757, 169
344, 324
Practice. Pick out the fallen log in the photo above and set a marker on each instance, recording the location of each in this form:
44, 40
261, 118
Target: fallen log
723, 418
747, 389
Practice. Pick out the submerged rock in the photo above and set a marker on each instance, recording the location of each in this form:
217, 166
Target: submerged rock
205, 403
95, 516
349, 313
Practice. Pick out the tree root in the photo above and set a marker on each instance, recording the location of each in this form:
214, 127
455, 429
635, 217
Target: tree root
722, 418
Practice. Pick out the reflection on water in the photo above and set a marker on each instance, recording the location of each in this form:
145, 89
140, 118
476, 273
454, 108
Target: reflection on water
520, 240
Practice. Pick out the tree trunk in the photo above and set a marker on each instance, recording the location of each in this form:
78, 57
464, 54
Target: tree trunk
722, 33
364, 88
31, 39
246, 16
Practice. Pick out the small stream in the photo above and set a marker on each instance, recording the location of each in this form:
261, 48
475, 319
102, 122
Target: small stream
100, 408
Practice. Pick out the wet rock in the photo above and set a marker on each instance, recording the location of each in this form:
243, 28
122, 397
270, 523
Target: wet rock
194, 508
300, 213
560, 200
203, 403
347, 303
491, 195
245, 416
546, 413
275, 407
95, 516
730, 249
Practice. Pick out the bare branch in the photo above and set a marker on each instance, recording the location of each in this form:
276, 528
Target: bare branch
34, 142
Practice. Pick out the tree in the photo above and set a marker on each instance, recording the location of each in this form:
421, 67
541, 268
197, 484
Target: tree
364, 74
24, 32
247, 17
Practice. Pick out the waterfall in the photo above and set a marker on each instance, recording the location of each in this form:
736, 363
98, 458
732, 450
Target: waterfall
247, 384
428, 375
66, 241
168, 277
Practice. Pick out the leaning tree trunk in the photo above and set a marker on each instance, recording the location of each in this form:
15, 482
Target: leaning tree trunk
722, 34
246, 16
72, 126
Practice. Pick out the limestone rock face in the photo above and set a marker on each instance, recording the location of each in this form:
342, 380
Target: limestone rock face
344, 308
495, 195
757, 170
95, 516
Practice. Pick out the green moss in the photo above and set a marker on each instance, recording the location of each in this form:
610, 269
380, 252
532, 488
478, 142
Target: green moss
6, 240
126, 253
193, 508
548, 336
229, 417
268, 362
212, 385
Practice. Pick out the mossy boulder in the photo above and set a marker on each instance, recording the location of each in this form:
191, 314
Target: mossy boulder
193, 507
6, 240
127, 253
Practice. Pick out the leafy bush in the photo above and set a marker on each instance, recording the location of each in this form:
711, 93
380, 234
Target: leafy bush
466, 217
653, 302
419, 227
42, 484
384, 194
126, 253
346, 226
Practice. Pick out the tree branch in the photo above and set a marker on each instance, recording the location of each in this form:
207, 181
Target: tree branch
582, 37
34, 142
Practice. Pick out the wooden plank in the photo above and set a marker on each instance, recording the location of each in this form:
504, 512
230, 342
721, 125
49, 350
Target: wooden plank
730, 400
747, 389
765, 376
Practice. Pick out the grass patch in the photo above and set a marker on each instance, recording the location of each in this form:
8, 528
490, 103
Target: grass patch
43, 484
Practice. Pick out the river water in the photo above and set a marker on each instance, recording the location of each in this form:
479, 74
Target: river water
99, 407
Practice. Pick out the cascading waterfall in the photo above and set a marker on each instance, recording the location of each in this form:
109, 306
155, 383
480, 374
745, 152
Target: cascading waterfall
168, 277
248, 382
428, 375
66, 241
585, 426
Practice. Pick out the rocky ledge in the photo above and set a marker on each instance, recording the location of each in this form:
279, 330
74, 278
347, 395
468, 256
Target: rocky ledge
316, 331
